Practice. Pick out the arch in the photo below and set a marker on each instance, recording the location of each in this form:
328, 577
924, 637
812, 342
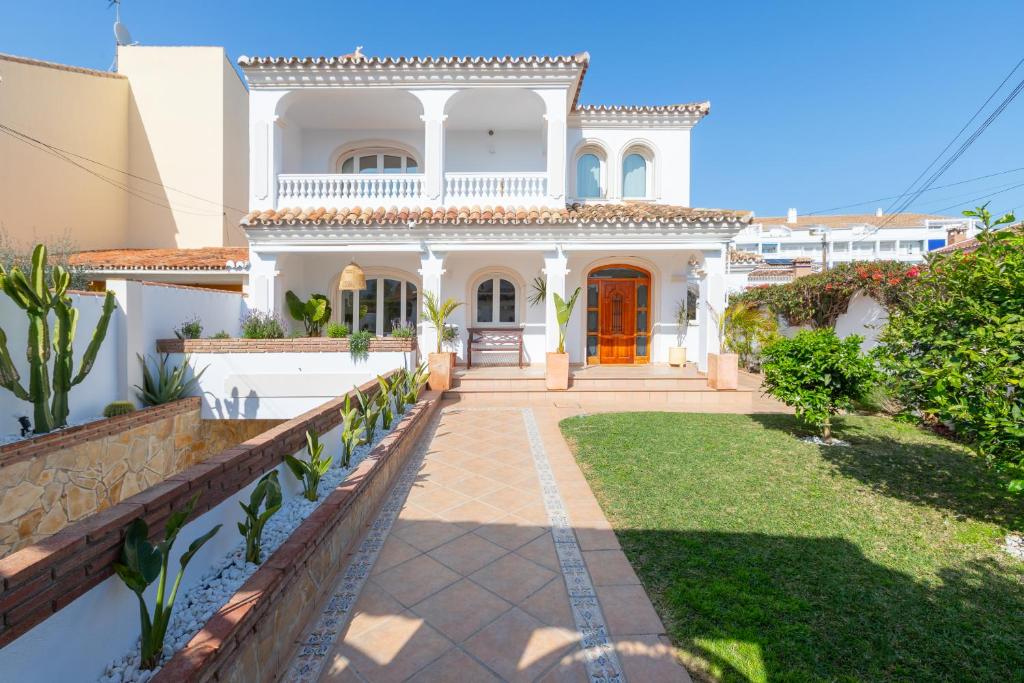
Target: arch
344, 304
649, 153
502, 272
654, 295
374, 145
599, 150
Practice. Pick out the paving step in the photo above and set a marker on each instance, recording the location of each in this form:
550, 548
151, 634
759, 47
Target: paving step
705, 399
614, 384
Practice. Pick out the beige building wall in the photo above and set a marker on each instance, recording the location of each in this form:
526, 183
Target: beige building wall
170, 133
42, 197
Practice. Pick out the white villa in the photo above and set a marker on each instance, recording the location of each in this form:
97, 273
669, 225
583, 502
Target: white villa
478, 179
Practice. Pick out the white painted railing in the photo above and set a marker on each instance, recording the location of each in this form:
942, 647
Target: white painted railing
331, 189
494, 187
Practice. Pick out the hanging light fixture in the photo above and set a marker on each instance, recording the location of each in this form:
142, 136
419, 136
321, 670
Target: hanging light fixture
352, 278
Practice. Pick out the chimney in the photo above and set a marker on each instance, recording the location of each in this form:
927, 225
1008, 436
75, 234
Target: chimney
956, 233
879, 213
791, 217
802, 266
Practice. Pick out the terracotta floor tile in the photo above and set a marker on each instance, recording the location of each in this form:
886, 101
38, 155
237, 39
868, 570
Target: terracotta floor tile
534, 513
502, 473
650, 658
395, 650
394, 552
518, 647
627, 611
542, 551
414, 580
571, 668
609, 568
461, 609
510, 499
455, 666
474, 485
338, 669
427, 534
513, 577
471, 514
373, 608
551, 605
467, 553
436, 498
596, 539
510, 531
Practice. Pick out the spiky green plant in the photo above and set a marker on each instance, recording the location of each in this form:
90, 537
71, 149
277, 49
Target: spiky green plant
370, 409
417, 380
386, 409
166, 385
32, 295
352, 432
313, 313
142, 563
395, 386
309, 472
267, 495
118, 408
438, 313
563, 310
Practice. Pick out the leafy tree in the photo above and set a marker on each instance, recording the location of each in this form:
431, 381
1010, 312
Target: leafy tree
818, 374
955, 353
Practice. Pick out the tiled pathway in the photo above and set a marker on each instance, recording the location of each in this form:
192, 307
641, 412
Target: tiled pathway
465, 578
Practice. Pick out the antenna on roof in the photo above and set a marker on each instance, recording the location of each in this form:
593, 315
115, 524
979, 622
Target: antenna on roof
121, 34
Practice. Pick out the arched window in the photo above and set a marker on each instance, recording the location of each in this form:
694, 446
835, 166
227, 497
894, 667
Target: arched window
386, 303
588, 177
378, 160
497, 301
634, 176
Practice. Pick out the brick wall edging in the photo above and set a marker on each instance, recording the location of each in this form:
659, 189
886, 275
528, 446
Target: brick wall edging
41, 579
19, 451
217, 643
292, 345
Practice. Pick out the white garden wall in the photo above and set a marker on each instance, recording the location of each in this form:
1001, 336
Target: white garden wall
864, 317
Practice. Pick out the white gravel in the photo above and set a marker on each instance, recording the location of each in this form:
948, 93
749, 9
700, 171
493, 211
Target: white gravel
195, 607
818, 441
1014, 545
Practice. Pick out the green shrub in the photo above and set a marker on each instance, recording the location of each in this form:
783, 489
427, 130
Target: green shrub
142, 563
167, 384
309, 472
260, 325
118, 408
313, 313
221, 335
337, 330
817, 374
956, 353
359, 343
267, 495
190, 329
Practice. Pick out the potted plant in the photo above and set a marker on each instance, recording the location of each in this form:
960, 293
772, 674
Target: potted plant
556, 373
440, 363
723, 368
677, 353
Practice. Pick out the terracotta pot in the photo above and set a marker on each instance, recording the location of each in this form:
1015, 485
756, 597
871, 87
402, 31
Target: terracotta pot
723, 371
440, 367
556, 372
677, 355
451, 355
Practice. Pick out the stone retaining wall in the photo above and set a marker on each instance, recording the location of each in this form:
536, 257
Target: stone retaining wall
296, 345
251, 638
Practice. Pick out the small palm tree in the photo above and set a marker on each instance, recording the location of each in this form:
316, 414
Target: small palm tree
438, 313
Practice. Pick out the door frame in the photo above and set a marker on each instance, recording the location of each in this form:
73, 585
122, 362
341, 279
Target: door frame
649, 280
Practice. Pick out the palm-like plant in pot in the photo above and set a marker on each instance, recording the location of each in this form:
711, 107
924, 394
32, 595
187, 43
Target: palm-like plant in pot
557, 367
439, 362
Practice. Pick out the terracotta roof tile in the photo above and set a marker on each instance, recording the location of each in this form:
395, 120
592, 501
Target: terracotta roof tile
737, 256
902, 220
575, 214
702, 108
210, 258
351, 60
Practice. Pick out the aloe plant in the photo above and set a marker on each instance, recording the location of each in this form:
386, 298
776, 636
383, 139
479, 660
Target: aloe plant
563, 310
313, 313
438, 313
267, 495
142, 563
166, 385
32, 295
352, 432
309, 472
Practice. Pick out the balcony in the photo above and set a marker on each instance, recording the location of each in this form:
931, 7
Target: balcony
346, 189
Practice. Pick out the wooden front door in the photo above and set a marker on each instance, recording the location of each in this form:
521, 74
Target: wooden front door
617, 330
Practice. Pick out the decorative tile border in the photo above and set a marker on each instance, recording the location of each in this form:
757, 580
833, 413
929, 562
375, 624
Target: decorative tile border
311, 655
598, 652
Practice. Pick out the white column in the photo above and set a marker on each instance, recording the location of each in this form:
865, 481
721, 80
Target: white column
712, 302
265, 149
555, 270
556, 110
263, 286
433, 117
130, 338
431, 271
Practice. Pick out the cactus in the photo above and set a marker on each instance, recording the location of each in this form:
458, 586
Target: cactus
118, 408
32, 295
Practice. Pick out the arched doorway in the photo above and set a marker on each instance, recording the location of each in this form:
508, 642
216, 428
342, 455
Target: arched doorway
618, 315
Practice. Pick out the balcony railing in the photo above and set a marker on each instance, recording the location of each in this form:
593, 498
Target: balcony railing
339, 188
494, 187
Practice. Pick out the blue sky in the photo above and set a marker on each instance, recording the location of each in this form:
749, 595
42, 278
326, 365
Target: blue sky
814, 104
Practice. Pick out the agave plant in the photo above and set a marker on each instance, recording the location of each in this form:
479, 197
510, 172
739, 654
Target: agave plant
166, 385
309, 472
438, 313
142, 563
352, 432
267, 495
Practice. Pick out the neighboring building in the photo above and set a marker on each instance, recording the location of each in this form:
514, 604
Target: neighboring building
471, 178
861, 237
153, 156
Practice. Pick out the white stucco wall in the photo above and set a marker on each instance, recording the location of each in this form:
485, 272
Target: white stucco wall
864, 317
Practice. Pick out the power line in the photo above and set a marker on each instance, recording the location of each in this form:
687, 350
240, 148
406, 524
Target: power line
976, 199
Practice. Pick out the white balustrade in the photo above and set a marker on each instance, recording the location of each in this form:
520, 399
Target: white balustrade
333, 190
494, 187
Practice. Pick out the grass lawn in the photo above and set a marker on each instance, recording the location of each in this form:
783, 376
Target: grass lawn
771, 559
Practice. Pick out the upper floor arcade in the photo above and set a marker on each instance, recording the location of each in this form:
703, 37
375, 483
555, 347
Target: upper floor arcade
426, 132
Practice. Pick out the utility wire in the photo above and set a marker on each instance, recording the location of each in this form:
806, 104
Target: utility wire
976, 199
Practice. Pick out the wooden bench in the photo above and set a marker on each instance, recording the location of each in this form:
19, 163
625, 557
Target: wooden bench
494, 339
